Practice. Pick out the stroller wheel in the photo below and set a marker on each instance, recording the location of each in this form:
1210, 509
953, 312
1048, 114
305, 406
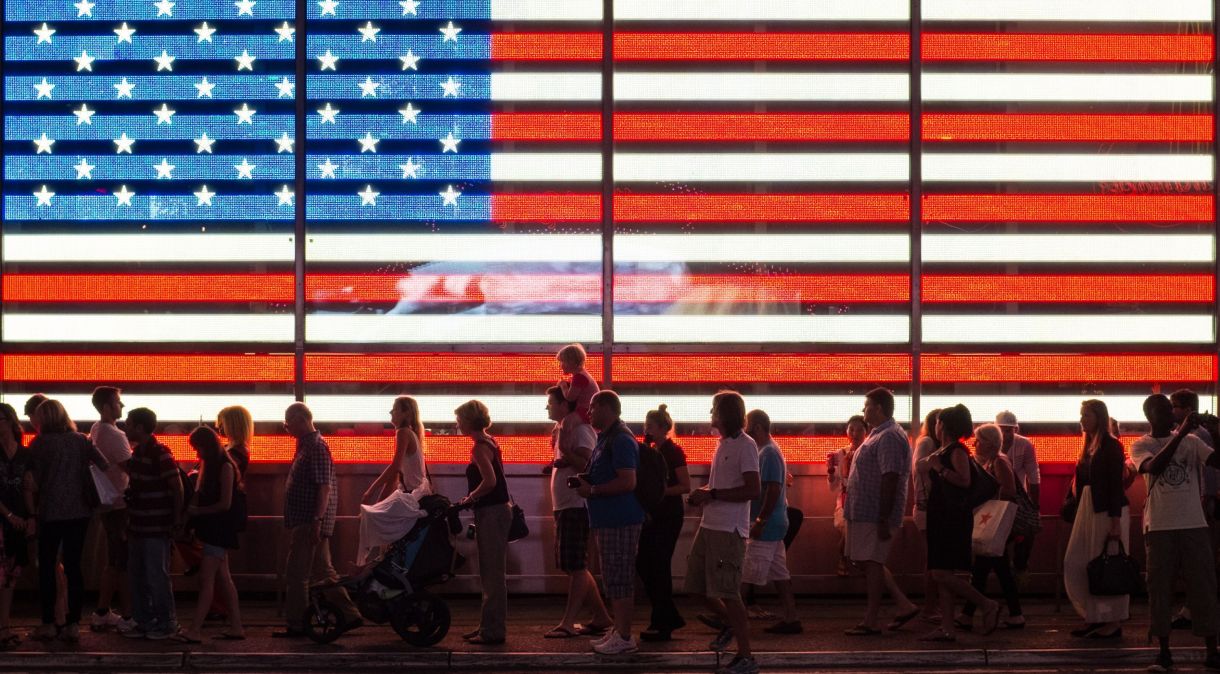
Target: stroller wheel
323, 624
421, 619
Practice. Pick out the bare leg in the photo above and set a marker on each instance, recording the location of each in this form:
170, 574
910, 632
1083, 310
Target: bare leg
735, 613
593, 598
209, 567
787, 599
904, 604
229, 592
622, 615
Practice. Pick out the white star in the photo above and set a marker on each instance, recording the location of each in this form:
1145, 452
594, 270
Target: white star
44, 34
410, 169
409, 114
409, 61
328, 168
84, 115
44, 89
124, 33
285, 32
43, 144
164, 169
245, 7
245, 61
124, 89
409, 6
164, 61
328, 7
368, 197
245, 169
369, 32
368, 87
44, 196
204, 144
204, 196
285, 87
285, 196
205, 32
205, 87
84, 61
84, 170
451, 86
328, 61
124, 196
328, 114
450, 196
123, 144
164, 7
368, 143
245, 114
450, 32
450, 144
283, 143
164, 114
83, 8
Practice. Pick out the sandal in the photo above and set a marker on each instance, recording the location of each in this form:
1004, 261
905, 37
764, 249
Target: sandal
862, 631
899, 621
591, 630
938, 636
561, 632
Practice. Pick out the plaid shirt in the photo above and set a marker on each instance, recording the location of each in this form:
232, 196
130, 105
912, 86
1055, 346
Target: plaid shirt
885, 450
311, 468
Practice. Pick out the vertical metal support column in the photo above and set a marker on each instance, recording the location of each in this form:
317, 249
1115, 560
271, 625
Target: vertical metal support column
607, 215
916, 177
298, 239
1215, 204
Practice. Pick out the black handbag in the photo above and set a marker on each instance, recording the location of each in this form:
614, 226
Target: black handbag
517, 529
1116, 574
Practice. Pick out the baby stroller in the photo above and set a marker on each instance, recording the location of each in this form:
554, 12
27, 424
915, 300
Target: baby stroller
391, 588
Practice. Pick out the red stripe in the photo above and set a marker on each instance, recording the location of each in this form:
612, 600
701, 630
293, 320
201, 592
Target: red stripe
711, 127
138, 367
1069, 288
761, 47
1059, 368
1067, 127
546, 46
546, 207
546, 126
1158, 48
181, 287
1065, 208
760, 207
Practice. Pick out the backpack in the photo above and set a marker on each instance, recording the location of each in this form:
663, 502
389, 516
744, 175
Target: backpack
650, 476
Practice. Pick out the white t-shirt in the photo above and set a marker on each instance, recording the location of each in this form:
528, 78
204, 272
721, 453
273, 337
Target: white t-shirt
734, 457
573, 432
113, 445
1173, 500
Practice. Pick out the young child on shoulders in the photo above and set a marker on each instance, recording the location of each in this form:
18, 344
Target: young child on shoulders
578, 385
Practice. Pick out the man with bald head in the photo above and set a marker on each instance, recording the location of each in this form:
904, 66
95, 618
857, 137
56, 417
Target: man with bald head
311, 499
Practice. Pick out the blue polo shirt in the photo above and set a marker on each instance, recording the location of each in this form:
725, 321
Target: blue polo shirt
616, 449
771, 468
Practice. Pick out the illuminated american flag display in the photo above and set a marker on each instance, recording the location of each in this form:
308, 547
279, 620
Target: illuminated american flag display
762, 219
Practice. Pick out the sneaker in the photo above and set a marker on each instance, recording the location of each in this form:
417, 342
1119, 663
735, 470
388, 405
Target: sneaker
616, 645
711, 620
740, 665
70, 633
125, 625
597, 641
1163, 663
722, 641
105, 621
785, 627
757, 612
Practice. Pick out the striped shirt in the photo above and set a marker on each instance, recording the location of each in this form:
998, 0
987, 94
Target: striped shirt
150, 503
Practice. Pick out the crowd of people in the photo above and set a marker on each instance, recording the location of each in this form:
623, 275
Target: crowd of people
629, 498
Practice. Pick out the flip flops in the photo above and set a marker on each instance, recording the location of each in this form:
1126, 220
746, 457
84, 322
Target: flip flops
900, 620
561, 632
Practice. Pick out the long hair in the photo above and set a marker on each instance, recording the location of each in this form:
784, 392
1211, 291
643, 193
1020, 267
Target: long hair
410, 407
212, 454
237, 425
1099, 410
51, 417
929, 424
9, 415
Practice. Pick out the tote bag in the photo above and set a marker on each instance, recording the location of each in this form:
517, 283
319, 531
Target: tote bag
992, 524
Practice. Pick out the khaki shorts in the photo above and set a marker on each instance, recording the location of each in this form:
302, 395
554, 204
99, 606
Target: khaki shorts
713, 568
863, 544
765, 561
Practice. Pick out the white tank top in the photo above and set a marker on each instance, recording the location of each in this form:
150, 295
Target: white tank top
411, 471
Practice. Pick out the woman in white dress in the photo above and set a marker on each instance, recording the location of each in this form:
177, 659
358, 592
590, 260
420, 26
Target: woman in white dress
406, 471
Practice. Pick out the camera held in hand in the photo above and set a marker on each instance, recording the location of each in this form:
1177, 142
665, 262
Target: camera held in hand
574, 481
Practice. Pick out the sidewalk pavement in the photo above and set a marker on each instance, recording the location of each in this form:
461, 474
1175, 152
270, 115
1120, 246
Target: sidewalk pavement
1045, 642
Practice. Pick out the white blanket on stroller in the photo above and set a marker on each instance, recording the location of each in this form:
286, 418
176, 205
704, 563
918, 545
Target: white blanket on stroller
387, 521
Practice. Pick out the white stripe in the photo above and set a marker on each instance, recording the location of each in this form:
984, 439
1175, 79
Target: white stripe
546, 10
451, 328
1184, 11
774, 167
437, 410
1059, 88
1098, 248
454, 248
851, 248
531, 86
761, 10
139, 328
197, 247
1042, 409
546, 166
971, 167
1068, 329
739, 86
175, 408
754, 329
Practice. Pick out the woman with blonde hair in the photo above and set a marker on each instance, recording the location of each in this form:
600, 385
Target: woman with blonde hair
237, 426
1102, 516
492, 517
406, 470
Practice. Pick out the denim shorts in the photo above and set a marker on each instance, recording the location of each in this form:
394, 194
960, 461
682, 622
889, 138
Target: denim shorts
216, 551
